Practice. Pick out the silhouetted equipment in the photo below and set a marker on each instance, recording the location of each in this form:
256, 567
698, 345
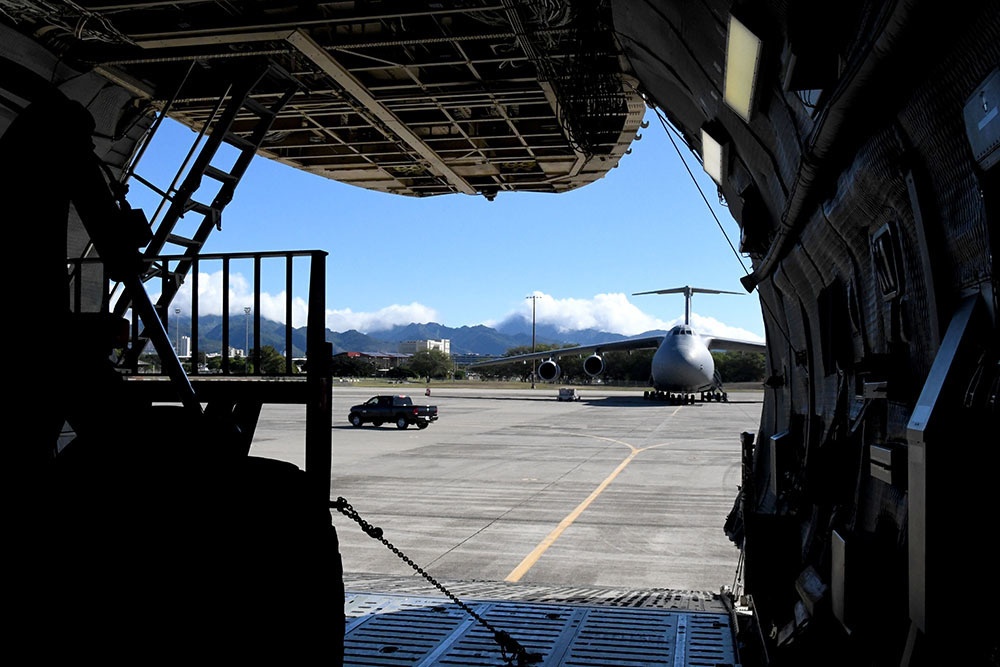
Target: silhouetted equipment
854, 144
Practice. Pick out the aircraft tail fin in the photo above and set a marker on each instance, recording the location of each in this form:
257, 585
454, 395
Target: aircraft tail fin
687, 291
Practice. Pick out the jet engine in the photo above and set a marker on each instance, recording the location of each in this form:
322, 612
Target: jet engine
593, 365
549, 370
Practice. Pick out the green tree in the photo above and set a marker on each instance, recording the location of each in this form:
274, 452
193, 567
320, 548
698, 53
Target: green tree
515, 370
571, 369
343, 365
430, 364
239, 365
740, 366
400, 373
634, 366
272, 362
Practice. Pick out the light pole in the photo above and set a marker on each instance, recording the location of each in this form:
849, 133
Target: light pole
177, 345
246, 341
534, 298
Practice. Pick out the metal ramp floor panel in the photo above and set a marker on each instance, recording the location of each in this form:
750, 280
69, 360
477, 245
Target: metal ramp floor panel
386, 629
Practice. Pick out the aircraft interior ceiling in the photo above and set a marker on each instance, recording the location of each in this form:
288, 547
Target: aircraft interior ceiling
855, 143
411, 98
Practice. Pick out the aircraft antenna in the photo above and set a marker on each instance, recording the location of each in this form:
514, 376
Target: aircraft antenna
687, 291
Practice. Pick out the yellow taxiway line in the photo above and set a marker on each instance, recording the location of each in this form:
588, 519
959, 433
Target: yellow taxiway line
536, 553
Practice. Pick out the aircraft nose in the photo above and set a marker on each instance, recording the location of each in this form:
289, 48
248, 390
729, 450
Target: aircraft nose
682, 367
693, 368
690, 355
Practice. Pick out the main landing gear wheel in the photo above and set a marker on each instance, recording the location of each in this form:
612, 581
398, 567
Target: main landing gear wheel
673, 399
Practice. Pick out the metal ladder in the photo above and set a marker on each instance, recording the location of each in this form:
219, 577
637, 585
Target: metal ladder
236, 102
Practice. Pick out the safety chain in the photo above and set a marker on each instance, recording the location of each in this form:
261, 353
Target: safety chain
510, 649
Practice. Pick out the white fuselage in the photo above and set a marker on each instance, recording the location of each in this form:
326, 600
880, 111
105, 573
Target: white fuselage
683, 362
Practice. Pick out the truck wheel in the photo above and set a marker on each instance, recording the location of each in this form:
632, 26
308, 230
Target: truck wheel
401, 422
355, 419
377, 423
423, 424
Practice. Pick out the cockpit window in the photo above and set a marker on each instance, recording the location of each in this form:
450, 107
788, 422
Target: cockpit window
681, 330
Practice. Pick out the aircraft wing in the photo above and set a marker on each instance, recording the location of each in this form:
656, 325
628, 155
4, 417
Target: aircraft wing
638, 343
718, 344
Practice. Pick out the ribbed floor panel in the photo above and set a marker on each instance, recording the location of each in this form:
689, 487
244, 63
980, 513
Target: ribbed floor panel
421, 630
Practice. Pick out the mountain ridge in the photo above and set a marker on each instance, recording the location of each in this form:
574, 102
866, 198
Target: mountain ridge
465, 340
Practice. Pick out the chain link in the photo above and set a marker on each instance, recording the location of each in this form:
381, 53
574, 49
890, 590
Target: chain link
510, 649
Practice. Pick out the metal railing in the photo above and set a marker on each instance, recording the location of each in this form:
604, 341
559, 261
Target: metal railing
86, 273
93, 293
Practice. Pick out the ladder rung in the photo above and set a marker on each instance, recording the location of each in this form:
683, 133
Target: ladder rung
241, 144
220, 175
183, 241
198, 207
258, 108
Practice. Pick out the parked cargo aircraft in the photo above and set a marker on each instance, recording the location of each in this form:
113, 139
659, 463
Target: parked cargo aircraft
682, 364
855, 144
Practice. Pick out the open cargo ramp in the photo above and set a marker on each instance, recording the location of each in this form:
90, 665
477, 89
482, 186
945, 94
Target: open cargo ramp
404, 621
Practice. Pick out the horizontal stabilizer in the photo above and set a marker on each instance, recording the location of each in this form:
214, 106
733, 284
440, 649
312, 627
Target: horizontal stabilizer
687, 290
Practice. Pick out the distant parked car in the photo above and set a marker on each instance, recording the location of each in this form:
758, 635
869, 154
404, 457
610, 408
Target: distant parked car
395, 408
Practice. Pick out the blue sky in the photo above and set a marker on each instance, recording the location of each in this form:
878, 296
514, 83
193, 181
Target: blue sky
462, 260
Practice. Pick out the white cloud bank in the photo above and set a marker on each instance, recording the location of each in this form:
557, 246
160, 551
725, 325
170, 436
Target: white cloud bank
385, 318
713, 327
272, 306
614, 313
210, 293
604, 312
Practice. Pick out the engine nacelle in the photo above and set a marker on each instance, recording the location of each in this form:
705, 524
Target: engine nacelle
593, 365
549, 370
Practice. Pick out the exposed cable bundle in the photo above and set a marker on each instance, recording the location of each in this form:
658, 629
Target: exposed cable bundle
586, 79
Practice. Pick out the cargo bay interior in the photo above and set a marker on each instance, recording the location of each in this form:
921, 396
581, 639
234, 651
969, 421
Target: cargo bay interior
856, 144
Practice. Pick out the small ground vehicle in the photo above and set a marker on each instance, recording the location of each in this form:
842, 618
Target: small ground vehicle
568, 394
395, 408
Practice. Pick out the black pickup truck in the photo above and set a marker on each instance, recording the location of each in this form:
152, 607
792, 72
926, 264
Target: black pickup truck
396, 408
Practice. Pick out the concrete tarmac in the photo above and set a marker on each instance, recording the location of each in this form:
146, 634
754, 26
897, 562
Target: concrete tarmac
513, 485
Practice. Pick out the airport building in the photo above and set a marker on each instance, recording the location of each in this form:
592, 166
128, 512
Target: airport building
414, 346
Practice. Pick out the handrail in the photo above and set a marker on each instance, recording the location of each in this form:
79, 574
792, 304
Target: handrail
315, 304
317, 394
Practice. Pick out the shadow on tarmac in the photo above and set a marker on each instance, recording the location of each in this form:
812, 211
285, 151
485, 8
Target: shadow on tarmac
605, 401
632, 401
